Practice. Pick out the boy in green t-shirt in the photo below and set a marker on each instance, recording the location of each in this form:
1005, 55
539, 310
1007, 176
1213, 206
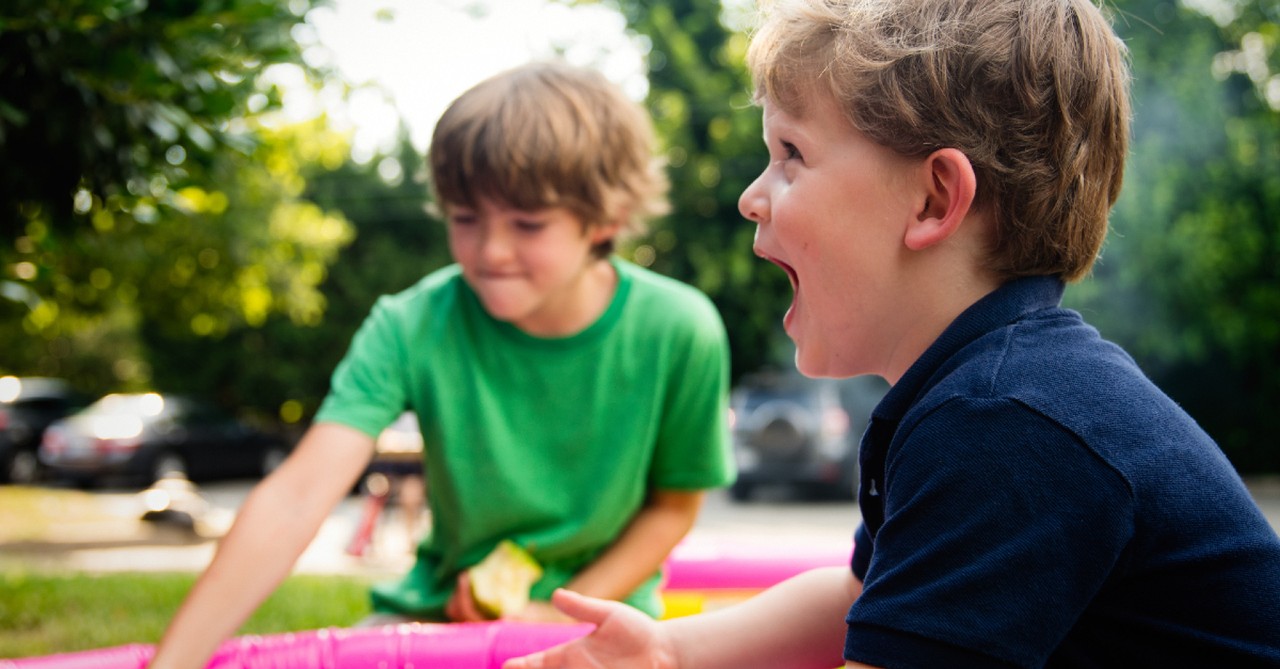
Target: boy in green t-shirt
570, 402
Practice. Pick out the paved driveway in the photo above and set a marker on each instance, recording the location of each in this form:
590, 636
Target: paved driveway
102, 531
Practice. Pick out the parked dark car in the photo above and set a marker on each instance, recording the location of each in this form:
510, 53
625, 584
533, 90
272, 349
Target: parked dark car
143, 437
27, 406
800, 434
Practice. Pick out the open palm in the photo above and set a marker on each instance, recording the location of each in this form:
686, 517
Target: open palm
624, 638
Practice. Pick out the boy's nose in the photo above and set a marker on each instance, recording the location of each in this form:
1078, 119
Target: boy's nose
495, 246
753, 204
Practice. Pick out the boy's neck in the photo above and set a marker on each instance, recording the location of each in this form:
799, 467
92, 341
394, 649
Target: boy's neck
578, 309
942, 290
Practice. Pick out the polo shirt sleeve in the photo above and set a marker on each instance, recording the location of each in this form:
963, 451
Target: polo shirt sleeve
367, 390
1000, 526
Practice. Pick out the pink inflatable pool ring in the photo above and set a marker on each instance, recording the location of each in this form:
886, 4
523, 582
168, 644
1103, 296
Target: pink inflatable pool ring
699, 564
701, 575
411, 646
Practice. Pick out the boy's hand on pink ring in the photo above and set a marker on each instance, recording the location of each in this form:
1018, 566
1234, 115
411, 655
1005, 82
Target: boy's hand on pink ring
539, 612
624, 638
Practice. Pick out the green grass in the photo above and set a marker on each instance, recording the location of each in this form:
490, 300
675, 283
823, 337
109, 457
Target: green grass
42, 613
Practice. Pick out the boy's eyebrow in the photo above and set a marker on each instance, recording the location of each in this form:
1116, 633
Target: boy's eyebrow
785, 128
771, 126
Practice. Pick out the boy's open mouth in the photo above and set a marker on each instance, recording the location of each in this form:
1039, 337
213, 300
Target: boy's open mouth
791, 273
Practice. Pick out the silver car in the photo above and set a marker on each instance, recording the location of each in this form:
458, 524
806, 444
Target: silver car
801, 434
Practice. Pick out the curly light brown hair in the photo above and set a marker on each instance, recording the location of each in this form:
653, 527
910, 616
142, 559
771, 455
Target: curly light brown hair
548, 134
1033, 92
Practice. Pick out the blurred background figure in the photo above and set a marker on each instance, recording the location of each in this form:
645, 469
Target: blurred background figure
394, 475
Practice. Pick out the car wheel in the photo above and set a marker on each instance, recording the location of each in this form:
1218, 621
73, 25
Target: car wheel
23, 468
168, 464
741, 491
272, 459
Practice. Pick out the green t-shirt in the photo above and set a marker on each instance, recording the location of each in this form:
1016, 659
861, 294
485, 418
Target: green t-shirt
553, 443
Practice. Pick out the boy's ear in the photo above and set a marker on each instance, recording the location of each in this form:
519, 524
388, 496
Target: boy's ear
605, 231
949, 187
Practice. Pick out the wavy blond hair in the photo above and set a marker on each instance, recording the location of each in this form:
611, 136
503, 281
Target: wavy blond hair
1034, 92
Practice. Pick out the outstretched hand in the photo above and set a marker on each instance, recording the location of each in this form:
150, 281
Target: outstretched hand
624, 638
539, 612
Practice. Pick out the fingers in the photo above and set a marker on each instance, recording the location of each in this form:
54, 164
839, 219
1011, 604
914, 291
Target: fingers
622, 637
547, 659
452, 609
581, 607
461, 607
539, 612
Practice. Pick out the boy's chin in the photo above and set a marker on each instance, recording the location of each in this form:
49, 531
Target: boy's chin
503, 309
510, 317
818, 367
809, 368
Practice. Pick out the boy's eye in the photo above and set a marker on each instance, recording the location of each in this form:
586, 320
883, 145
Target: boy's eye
791, 152
528, 225
462, 219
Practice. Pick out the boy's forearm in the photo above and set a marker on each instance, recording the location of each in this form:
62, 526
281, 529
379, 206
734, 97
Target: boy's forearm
250, 562
275, 525
797, 623
642, 547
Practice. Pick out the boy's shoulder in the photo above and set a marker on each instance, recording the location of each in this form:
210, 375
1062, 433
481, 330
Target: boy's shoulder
428, 304
1051, 355
436, 285
663, 296
1054, 364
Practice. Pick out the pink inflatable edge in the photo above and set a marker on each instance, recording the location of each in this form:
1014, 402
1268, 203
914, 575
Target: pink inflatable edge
720, 565
417, 645
693, 566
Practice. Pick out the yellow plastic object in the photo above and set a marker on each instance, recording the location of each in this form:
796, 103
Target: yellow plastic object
500, 583
680, 603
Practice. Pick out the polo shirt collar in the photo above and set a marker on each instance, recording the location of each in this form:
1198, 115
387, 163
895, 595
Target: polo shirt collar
1002, 306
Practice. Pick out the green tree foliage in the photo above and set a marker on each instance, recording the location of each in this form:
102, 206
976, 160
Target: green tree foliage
397, 241
147, 206
1189, 281
229, 287
119, 98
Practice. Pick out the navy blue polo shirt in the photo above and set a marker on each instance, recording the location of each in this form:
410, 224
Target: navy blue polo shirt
1031, 499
